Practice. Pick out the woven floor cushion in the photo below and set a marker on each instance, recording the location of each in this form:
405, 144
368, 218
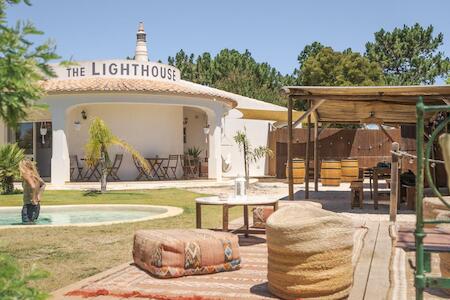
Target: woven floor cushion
310, 253
175, 253
262, 213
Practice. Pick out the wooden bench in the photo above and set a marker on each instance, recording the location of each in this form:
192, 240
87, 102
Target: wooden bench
436, 240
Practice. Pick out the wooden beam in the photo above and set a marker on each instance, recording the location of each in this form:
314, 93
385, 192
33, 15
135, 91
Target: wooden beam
386, 133
395, 184
323, 127
388, 98
289, 152
316, 156
308, 112
307, 154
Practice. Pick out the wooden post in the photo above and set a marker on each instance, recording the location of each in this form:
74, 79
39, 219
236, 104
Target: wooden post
289, 152
308, 141
394, 183
316, 156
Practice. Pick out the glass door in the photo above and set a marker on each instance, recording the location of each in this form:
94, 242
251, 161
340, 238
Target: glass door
36, 140
24, 136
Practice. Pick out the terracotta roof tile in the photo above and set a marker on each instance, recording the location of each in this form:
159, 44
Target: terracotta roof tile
182, 88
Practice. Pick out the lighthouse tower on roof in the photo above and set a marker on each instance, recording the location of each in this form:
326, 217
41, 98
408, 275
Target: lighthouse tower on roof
141, 53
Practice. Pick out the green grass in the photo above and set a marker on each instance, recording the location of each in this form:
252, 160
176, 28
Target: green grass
73, 253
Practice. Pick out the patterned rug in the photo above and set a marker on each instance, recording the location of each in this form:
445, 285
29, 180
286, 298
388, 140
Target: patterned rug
250, 282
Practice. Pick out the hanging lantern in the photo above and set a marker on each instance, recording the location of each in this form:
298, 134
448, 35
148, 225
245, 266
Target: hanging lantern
77, 125
43, 131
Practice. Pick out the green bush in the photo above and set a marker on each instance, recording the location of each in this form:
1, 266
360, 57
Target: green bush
10, 157
14, 285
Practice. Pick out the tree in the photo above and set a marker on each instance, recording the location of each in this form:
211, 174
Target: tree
322, 66
250, 154
234, 72
10, 157
409, 55
332, 68
100, 140
22, 66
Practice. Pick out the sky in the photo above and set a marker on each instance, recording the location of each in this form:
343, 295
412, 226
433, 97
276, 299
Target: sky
273, 31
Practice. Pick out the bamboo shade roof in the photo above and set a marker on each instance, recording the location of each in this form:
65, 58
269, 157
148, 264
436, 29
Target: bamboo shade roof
389, 104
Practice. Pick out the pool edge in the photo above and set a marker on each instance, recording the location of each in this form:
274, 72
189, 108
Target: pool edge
172, 211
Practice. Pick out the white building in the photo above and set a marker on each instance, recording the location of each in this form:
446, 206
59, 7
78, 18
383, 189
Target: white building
147, 105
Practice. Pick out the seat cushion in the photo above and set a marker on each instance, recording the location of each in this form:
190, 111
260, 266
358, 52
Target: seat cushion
262, 213
175, 253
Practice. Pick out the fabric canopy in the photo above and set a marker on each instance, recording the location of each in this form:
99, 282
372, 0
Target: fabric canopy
270, 115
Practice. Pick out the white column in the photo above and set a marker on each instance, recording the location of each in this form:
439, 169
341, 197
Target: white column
60, 151
215, 150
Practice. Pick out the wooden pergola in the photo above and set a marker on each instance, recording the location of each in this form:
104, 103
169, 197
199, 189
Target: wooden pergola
381, 105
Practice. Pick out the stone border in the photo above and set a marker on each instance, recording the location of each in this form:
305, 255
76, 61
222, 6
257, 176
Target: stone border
171, 211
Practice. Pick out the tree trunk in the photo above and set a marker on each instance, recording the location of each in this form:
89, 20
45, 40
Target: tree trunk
247, 176
104, 174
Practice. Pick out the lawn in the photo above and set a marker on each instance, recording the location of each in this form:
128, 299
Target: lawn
73, 253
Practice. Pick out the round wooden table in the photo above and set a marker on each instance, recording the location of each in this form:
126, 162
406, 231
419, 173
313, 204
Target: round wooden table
229, 202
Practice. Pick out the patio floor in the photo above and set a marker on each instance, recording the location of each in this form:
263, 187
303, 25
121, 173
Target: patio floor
250, 282
372, 276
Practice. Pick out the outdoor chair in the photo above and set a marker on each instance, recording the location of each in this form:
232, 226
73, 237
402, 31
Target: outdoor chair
112, 171
172, 165
188, 165
141, 170
75, 165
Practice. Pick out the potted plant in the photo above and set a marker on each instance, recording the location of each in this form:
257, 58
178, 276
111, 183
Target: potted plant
194, 153
250, 154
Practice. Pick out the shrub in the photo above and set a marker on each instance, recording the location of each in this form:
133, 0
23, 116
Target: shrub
10, 157
16, 285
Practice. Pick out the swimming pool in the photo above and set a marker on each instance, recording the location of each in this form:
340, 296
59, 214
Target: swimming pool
87, 215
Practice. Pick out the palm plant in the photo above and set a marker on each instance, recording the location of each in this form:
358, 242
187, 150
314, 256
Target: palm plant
194, 152
10, 157
250, 154
96, 149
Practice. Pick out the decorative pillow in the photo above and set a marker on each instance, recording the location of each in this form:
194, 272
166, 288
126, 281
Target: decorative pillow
175, 252
260, 215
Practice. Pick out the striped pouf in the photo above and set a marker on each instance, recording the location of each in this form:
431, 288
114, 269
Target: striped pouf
310, 253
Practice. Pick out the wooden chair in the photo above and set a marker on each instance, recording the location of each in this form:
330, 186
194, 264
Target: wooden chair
357, 193
141, 170
186, 165
172, 165
112, 171
75, 165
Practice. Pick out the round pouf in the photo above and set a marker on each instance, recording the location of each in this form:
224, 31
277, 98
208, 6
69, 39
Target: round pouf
310, 253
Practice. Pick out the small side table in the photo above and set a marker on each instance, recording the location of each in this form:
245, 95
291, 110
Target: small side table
231, 202
357, 193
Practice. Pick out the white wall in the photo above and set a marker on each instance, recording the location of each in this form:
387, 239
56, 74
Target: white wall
151, 129
257, 133
195, 137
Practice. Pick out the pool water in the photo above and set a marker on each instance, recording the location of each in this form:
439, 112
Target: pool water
80, 215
